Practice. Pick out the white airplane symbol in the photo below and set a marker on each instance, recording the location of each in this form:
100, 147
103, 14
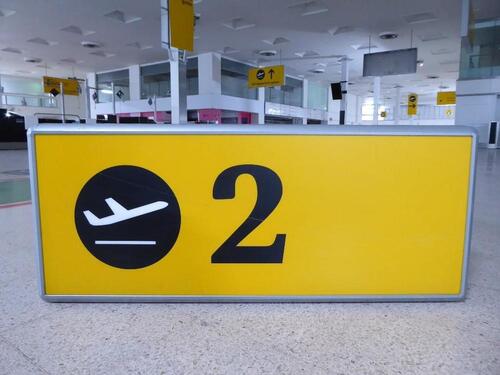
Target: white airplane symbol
120, 213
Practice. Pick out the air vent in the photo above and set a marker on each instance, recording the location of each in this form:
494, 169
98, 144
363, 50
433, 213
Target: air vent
33, 60
90, 44
388, 35
267, 53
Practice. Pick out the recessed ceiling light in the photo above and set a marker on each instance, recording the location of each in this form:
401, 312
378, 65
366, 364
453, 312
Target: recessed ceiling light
267, 53
34, 60
388, 35
11, 50
309, 7
432, 77
90, 44
317, 70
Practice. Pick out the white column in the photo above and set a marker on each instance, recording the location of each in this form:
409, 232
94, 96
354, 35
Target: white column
209, 74
345, 84
262, 105
305, 99
134, 76
376, 99
397, 105
91, 88
178, 88
333, 109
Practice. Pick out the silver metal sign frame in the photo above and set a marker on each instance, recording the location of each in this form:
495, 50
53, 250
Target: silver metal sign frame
417, 131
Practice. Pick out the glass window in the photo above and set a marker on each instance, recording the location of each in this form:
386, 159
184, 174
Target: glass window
317, 97
121, 80
155, 80
192, 76
290, 93
234, 77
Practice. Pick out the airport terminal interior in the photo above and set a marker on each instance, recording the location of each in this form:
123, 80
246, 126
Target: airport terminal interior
250, 187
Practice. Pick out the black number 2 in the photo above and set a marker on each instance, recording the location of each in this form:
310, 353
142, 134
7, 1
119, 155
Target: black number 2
269, 192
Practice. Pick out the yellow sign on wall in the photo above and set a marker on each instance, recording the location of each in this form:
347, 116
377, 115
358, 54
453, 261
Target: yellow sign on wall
412, 104
266, 77
259, 216
181, 23
70, 86
446, 98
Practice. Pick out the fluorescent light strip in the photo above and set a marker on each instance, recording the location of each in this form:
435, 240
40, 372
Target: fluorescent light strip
104, 242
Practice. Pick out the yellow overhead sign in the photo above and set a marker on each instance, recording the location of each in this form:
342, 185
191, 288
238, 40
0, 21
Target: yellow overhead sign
319, 215
181, 23
412, 104
446, 97
70, 86
266, 77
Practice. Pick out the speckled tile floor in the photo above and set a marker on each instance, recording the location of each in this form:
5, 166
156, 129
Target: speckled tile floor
420, 338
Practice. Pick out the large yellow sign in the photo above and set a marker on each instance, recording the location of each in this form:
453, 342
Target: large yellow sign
261, 216
181, 21
446, 97
412, 104
70, 86
266, 77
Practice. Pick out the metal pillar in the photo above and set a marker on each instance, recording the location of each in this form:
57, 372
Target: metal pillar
178, 87
63, 108
344, 83
376, 99
397, 105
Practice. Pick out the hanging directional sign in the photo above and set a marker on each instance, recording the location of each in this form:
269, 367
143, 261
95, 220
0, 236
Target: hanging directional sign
412, 104
181, 24
53, 84
252, 214
266, 77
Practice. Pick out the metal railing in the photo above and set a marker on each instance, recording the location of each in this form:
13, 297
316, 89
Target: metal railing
27, 100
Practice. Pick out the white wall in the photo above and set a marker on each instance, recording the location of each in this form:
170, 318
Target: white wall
477, 104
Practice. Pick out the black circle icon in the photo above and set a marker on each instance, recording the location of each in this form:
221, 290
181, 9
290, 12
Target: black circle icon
127, 217
412, 98
261, 74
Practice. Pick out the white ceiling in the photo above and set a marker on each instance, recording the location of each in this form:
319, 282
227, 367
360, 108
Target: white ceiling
332, 28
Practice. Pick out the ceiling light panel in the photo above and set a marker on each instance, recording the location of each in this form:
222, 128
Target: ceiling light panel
341, 30
309, 8
139, 46
7, 12
362, 47
120, 16
238, 23
70, 60
276, 41
307, 53
228, 50
42, 41
420, 18
430, 37
102, 54
77, 30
